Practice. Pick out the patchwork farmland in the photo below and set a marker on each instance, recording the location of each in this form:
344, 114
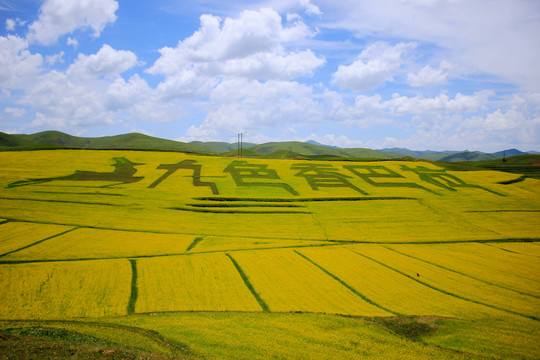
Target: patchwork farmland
181, 255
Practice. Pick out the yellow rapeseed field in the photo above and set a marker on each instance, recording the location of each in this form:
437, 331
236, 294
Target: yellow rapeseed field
17, 235
55, 290
88, 243
454, 283
288, 282
391, 289
484, 262
217, 254
195, 282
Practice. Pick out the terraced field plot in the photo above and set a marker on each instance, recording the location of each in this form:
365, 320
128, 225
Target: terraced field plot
120, 236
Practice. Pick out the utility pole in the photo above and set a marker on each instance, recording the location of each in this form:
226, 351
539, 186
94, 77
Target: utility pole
239, 145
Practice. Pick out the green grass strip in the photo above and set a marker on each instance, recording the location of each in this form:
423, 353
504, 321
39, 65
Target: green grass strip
366, 198
460, 273
255, 294
59, 201
134, 290
513, 181
225, 205
353, 290
212, 211
75, 193
444, 291
495, 211
39, 242
194, 243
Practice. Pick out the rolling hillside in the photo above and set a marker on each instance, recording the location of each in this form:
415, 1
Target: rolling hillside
48, 139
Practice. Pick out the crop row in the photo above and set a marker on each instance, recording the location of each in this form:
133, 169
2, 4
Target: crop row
368, 280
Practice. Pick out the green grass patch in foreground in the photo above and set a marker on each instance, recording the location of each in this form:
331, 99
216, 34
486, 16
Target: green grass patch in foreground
286, 336
237, 335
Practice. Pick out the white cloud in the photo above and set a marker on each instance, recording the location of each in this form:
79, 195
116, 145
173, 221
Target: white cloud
15, 112
429, 76
59, 17
71, 41
106, 62
17, 65
400, 105
53, 59
377, 64
60, 102
311, 9
496, 37
248, 105
250, 46
10, 24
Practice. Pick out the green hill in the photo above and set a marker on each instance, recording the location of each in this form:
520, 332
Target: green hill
306, 149
469, 156
245, 153
219, 146
47, 139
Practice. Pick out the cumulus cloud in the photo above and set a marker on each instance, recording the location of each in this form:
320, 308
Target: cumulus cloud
60, 102
493, 37
59, 17
249, 105
106, 62
311, 9
10, 24
377, 64
429, 76
15, 112
71, 41
251, 46
53, 59
401, 105
17, 64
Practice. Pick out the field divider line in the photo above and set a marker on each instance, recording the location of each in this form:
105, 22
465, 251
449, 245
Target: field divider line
249, 285
256, 205
4, 222
134, 290
248, 212
460, 273
40, 241
511, 251
194, 243
350, 288
446, 292
367, 198
165, 232
33, 261
62, 201
342, 241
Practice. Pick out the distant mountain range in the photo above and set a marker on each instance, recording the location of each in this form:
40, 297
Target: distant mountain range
290, 149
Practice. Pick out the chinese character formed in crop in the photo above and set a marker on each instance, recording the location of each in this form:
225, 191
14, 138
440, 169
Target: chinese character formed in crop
241, 170
122, 174
369, 172
186, 164
323, 175
441, 179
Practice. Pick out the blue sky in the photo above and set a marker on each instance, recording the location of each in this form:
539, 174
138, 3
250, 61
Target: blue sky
421, 74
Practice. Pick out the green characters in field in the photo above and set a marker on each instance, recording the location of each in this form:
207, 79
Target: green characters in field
186, 164
324, 175
241, 170
370, 172
122, 174
441, 178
